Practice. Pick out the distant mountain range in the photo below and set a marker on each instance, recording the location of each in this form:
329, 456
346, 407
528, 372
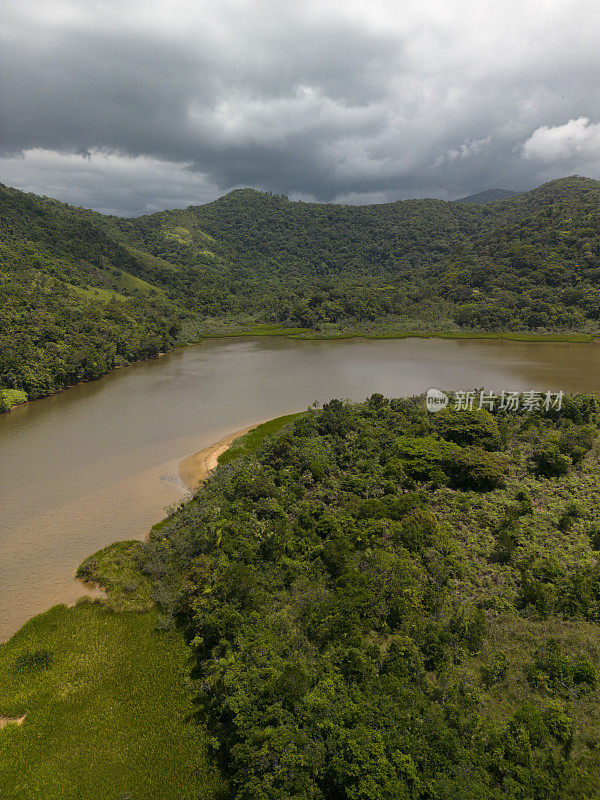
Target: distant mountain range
81, 292
488, 196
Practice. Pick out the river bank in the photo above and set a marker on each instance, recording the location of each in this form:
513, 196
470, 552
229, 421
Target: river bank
307, 335
13, 398
196, 468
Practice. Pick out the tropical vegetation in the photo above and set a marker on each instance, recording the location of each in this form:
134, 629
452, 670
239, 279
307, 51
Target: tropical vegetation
366, 601
385, 603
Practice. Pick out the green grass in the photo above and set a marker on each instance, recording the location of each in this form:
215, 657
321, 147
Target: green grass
306, 333
115, 569
131, 283
96, 293
179, 234
251, 441
581, 338
257, 330
109, 711
151, 262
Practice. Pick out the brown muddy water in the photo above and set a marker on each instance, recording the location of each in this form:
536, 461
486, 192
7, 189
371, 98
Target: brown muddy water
99, 462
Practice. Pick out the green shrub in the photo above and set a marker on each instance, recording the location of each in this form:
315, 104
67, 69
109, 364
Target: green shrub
424, 458
585, 673
557, 673
549, 462
507, 541
10, 398
34, 660
475, 469
468, 428
538, 589
593, 532
403, 660
572, 512
525, 505
576, 441
417, 530
468, 627
494, 671
558, 722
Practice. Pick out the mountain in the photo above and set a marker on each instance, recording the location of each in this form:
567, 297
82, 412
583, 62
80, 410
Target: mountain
527, 263
73, 303
82, 292
487, 196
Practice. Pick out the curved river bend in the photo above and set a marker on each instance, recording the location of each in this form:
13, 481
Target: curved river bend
98, 463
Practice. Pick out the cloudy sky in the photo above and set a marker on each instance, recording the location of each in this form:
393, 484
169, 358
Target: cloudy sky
128, 106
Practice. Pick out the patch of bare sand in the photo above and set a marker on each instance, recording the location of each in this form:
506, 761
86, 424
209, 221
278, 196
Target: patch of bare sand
4, 721
196, 468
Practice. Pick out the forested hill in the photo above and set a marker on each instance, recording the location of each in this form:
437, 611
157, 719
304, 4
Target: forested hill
72, 302
530, 262
82, 292
388, 604
268, 231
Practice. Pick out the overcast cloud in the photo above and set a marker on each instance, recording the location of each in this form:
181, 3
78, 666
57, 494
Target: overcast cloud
128, 106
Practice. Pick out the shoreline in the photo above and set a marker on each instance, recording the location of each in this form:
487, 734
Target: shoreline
311, 336
192, 471
196, 468
89, 380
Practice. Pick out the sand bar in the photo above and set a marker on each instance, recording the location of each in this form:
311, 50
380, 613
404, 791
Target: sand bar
196, 468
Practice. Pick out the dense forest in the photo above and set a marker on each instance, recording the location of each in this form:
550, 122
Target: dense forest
82, 292
387, 603
72, 306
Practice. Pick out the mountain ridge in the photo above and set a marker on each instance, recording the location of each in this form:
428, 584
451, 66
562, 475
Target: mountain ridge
487, 196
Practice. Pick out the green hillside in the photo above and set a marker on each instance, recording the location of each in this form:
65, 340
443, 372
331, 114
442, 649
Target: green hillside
73, 302
385, 603
82, 292
373, 603
527, 263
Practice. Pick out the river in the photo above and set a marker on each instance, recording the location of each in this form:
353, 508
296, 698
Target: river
98, 463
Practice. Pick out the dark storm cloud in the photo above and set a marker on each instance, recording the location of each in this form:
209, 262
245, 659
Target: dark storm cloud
133, 106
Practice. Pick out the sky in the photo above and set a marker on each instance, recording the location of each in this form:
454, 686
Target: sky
129, 107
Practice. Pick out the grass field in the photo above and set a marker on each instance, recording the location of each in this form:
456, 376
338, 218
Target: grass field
580, 338
253, 330
108, 711
251, 441
305, 333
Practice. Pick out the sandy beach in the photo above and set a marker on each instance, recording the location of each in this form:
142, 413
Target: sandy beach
196, 468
